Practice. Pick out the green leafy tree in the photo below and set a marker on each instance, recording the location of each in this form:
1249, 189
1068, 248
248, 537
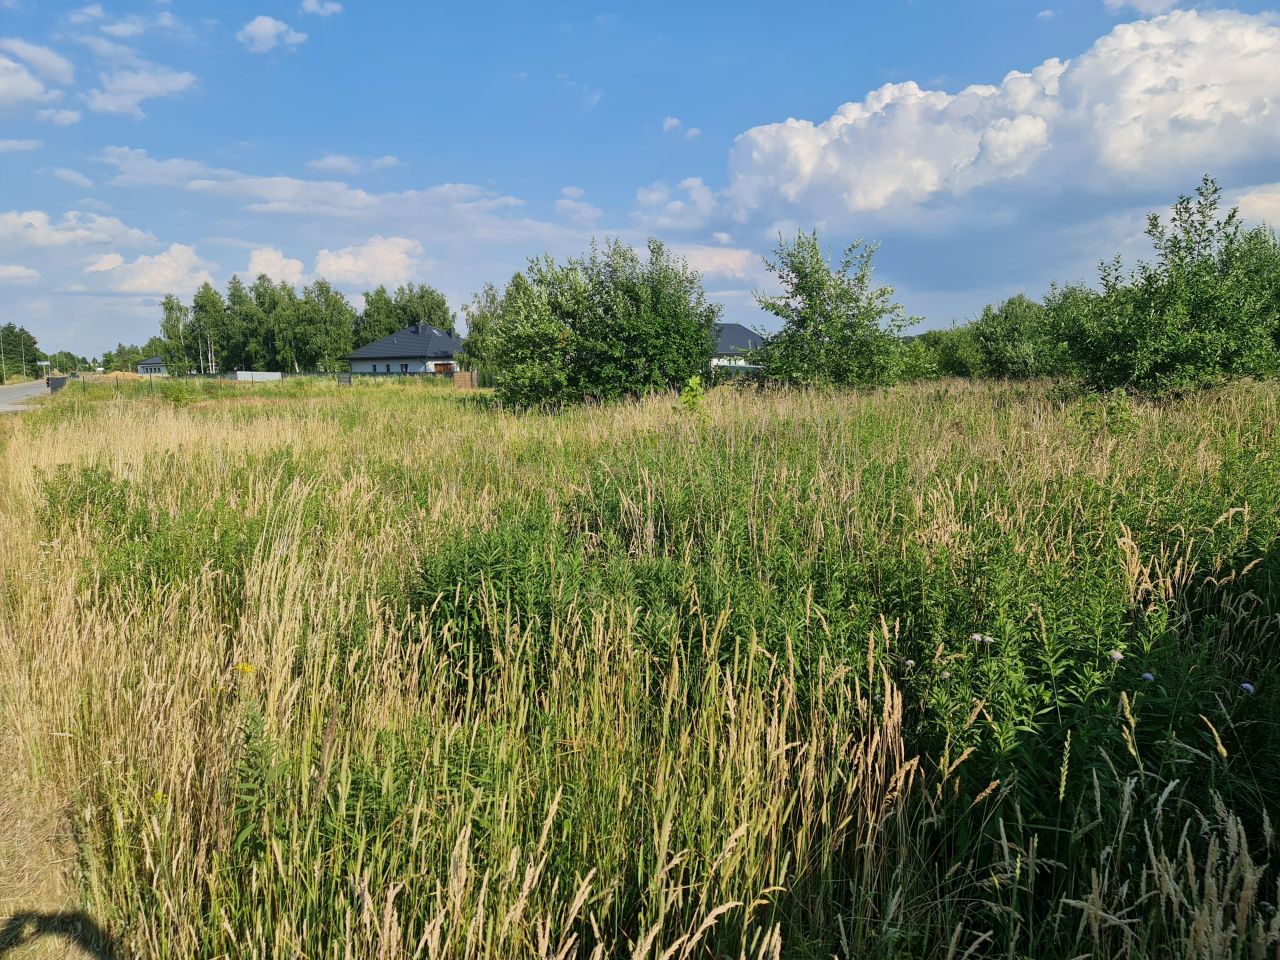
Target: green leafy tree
838, 326
179, 348
326, 327
609, 325
1015, 341
378, 319
209, 327
417, 303
1196, 315
955, 351
484, 314
19, 352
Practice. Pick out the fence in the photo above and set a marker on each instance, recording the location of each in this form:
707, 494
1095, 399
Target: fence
55, 383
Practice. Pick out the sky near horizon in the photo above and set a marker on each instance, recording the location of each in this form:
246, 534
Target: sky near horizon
989, 146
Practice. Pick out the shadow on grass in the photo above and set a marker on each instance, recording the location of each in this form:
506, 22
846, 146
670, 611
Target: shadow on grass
75, 927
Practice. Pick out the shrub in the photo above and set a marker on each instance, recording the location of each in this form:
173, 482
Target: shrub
1014, 341
603, 327
838, 327
1204, 311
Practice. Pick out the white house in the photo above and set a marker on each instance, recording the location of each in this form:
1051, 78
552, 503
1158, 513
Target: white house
416, 349
153, 366
733, 340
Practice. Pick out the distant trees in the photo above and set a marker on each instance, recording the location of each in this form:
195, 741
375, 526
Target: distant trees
484, 313
128, 356
608, 325
1013, 340
838, 326
265, 326
412, 303
19, 353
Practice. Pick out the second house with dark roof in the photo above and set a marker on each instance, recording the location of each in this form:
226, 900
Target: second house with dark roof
416, 349
734, 344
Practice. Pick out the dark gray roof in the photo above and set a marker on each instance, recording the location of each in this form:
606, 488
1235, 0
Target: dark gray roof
735, 338
152, 362
410, 343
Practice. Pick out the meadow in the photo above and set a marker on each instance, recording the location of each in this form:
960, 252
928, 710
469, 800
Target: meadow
947, 670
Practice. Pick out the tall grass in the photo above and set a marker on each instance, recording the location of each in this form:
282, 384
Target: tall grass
381, 671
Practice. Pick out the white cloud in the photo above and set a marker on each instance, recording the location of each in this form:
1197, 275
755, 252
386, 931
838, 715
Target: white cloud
380, 260
88, 14
123, 90
729, 262
1262, 204
61, 118
33, 228
73, 177
19, 85
670, 124
178, 270
1047, 14
262, 34
384, 163
1144, 7
659, 207
12, 273
692, 133
135, 168
321, 8
291, 195
13, 146
46, 63
1151, 102
335, 163
274, 264
578, 211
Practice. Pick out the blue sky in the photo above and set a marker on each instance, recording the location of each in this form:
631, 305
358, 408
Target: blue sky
990, 146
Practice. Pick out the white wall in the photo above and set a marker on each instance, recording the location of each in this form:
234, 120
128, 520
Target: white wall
414, 366
256, 376
729, 361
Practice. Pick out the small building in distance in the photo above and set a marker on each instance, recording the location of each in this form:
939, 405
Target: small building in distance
153, 366
415, 349
733, 340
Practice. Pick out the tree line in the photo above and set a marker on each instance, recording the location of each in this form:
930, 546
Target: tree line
269, 325
1204, 310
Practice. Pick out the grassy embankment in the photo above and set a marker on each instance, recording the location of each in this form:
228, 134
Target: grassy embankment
380, 671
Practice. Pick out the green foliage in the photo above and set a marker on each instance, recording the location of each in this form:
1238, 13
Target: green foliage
955, 351
692, 395
1204, 311
838, 327
602, 327
484, 314
19, 353
1014, 341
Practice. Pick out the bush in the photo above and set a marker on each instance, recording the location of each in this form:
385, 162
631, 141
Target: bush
955, 351
1013, 341
601, 328
838, 328
1204, 311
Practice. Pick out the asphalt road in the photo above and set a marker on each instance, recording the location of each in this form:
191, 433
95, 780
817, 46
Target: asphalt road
12, 399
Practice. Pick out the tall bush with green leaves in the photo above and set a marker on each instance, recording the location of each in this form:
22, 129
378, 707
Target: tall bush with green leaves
1199, 313
838, 327
1014, 341
601, 327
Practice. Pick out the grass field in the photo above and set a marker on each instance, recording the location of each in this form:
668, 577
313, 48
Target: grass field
382, 671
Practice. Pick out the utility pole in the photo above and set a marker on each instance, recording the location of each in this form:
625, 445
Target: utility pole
4, 373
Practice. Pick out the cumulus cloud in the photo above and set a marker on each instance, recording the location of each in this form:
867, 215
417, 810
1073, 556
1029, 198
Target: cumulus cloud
20, 85
1152, 101
178, 270
335, 163
34, 228
572, 207
321, 8
46, 63
688, 206
14, 146
73, 177
124, 89
93, 12
263, 34
1261, 204
61, 118
273, 262
12, 273
381, 260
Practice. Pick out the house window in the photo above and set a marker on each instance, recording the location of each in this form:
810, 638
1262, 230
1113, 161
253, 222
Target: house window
404, 368
388, 368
